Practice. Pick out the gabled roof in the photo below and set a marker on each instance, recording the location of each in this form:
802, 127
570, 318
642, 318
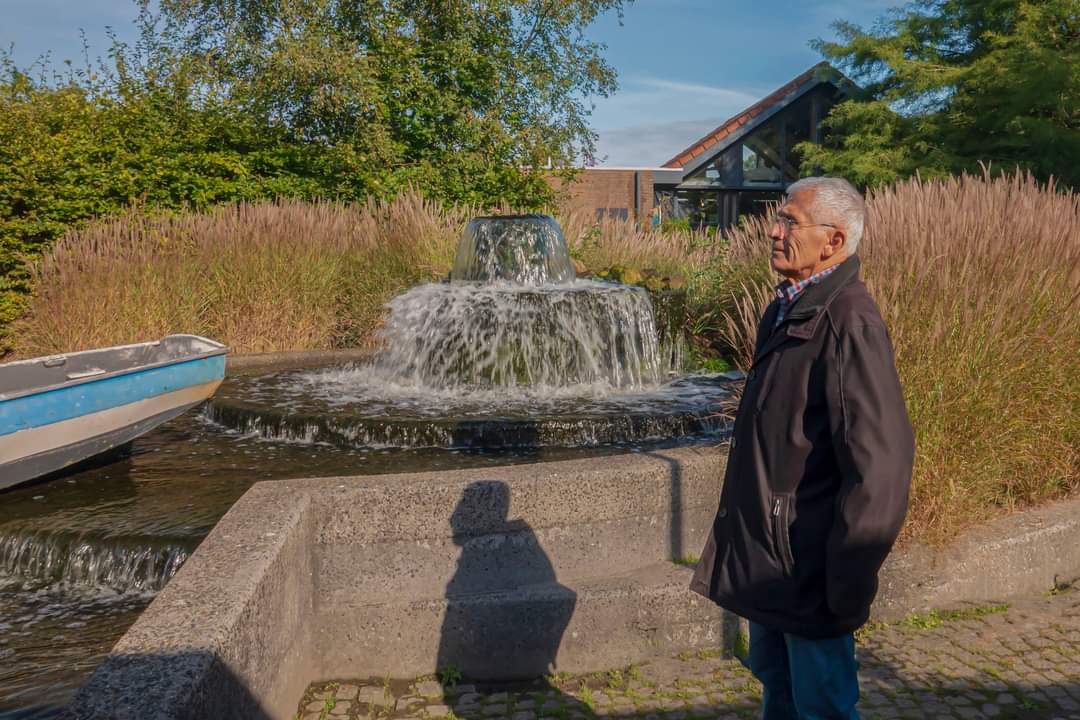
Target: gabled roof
757, 113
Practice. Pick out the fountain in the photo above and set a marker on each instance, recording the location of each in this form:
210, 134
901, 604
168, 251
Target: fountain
512, 351
512, 359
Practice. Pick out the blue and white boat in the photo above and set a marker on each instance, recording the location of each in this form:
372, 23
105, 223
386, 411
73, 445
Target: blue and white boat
59, 410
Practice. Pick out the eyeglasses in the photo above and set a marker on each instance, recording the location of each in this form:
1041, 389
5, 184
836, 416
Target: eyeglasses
787, 223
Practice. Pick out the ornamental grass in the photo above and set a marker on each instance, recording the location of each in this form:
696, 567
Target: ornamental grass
260, 277
978, 279
286, 275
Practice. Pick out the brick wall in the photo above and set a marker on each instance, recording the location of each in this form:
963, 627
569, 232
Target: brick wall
596, 190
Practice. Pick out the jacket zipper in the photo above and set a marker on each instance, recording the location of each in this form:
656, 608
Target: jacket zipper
783, 542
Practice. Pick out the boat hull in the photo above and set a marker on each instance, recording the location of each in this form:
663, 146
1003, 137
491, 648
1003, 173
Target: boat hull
61, 445
64, 424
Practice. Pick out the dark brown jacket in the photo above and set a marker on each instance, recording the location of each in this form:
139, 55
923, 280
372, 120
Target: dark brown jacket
818, 472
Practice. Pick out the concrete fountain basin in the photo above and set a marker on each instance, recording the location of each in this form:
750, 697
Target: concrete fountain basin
502, 573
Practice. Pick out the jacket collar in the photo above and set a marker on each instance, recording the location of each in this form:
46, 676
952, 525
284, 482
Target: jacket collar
805, 313
817, 297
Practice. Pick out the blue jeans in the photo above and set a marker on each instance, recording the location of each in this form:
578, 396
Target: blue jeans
805, 679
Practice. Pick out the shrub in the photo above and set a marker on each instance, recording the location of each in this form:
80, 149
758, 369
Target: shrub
68, 155
600, 244
72, 153
979, 282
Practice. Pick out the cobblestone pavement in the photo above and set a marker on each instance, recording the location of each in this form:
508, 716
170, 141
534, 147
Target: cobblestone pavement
995, 661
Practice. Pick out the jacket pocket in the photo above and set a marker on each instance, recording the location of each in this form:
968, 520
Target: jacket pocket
781, 514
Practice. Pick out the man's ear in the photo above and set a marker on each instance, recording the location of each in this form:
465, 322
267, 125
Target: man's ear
835, 242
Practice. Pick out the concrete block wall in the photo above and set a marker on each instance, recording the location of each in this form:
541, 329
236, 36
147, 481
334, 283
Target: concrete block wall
503, 572
507, 573
228, 636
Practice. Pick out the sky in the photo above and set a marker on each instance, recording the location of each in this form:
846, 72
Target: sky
684, 65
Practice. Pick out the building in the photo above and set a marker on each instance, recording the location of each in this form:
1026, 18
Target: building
735, 170
618, 192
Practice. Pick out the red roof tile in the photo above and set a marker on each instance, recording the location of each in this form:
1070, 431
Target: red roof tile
732, 124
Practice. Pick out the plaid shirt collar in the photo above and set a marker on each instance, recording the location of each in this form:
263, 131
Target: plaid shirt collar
788, 292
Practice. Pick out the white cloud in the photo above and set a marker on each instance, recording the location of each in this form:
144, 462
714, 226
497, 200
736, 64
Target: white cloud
650, 145
651, 119
675, 87
652, 101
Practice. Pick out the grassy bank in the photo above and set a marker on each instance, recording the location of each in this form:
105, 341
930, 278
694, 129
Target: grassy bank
979, 282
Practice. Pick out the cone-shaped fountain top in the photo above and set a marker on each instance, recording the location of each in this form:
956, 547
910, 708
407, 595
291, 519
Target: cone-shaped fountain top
523, 249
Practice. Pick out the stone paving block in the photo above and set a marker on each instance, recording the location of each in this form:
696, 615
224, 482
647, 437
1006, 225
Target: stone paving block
347, 691
429, 689
469, 699
957, 700
873, 698
459, 689
373, 695
437, 711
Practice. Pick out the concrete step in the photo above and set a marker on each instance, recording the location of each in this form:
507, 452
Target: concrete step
519, 556
525, 632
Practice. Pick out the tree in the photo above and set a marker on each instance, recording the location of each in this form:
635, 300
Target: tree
949, 84
457, 96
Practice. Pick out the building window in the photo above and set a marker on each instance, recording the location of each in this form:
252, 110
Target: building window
614, 213
763, 155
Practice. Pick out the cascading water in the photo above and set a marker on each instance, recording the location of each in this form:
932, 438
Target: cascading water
85, 561
513, 351
522, 249
462, 336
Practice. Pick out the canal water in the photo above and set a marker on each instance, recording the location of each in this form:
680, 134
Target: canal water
82, 555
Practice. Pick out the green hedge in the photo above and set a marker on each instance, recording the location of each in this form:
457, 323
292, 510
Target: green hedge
66, 157
69, 155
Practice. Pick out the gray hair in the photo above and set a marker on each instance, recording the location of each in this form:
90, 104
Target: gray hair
837, 200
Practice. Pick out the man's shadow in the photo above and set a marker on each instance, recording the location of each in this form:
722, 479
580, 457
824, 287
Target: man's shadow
506, 611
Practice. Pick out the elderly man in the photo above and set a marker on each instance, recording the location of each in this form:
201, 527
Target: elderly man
819, 468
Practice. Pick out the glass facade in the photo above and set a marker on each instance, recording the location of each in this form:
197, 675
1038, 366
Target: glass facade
754, 170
